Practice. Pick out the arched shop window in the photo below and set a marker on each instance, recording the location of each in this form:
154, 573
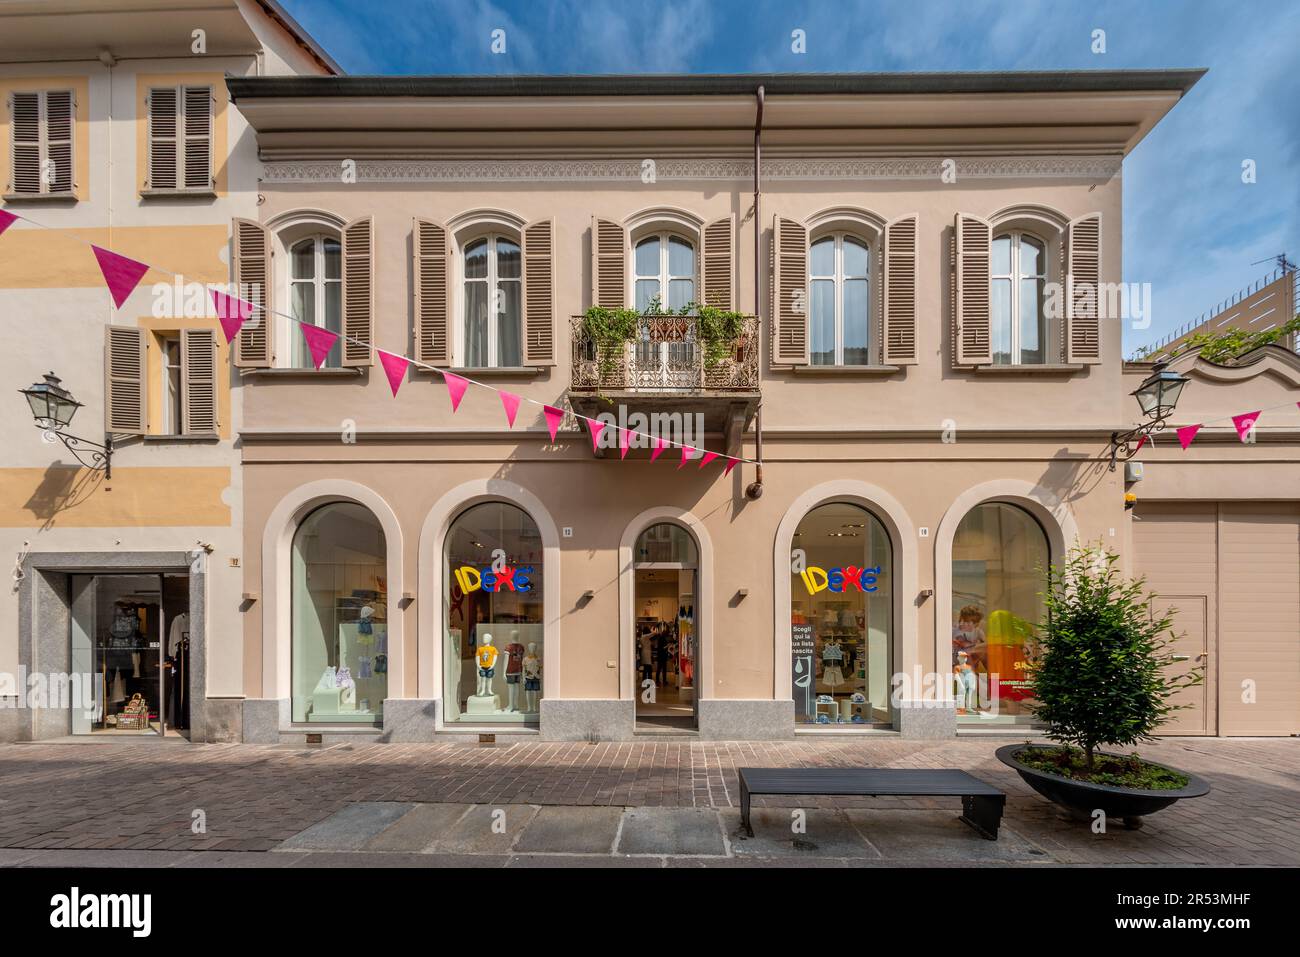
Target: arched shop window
999, 568
841, 617
340, 616
492, 592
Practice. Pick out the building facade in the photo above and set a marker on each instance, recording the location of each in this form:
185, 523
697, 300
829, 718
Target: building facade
117, 130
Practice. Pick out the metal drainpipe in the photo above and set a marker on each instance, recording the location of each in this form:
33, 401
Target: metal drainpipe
755, 488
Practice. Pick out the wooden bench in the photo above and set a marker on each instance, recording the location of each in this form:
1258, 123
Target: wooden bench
982, 803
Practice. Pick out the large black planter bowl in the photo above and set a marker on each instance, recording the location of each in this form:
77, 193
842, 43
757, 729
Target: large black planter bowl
1083, 797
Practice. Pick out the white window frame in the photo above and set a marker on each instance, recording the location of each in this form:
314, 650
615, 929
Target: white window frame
1015, 279
494, 282
301, 358
664, 277
838, 278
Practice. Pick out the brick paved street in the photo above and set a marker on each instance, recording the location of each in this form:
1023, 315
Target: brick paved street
90, 803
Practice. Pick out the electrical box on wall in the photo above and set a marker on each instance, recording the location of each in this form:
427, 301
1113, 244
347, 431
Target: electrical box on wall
1132, 471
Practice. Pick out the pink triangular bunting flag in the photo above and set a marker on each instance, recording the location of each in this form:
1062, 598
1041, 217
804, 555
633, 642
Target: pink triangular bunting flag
510, 402
232, 313
731, 464
394, 368
660, 444
121, 274
319, 342
1244, 423
708, 457
623, 442
456, 386
554, 417
686, 455
1186, 434
595, 427
7, 219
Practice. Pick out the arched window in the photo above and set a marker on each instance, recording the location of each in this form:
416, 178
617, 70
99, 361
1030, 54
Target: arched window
340, 616
316, 293
1018, 284
493, 295
1000, 556
839, 267
841, 615
664, 261
493, 650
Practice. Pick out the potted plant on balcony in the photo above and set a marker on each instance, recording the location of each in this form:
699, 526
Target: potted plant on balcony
1101, 679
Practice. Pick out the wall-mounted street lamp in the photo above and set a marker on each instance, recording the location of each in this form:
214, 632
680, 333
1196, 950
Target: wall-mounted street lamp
53, 408
1157, 396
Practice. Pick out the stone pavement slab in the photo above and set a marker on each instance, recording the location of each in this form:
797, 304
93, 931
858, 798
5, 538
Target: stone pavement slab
485, 829
419, 829
349, 829
825, 834
677, 831
571, 830
937, 836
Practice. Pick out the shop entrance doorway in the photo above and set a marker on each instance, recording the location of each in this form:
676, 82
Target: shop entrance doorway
666, 651
131, 643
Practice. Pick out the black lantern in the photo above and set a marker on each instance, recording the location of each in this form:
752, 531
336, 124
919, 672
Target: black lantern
53, 408
1157, 396
52, 405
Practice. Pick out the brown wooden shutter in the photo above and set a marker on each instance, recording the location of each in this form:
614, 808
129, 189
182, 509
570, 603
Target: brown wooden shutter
125, 402
971, 292
25, 151
608, 264
899, 289
164, 145
1083, 286
432, 270
789, 292
539, 294
719, 263
59, 107
251, 258
196, 151
358, 292
198, 381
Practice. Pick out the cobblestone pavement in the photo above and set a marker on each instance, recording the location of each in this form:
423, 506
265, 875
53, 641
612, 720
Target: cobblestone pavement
134, 802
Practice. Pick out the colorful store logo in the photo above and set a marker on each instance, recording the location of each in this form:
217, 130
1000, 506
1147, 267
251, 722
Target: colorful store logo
515, 579
819, 579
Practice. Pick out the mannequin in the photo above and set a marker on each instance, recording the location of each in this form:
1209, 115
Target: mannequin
514, 671
832, 663
532, 677
487, 661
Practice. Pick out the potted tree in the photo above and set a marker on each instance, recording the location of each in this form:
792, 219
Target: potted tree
1101, 679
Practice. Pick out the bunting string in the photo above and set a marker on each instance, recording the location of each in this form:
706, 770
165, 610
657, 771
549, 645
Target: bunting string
122, 274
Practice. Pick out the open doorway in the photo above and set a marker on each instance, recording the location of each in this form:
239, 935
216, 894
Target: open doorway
666, 568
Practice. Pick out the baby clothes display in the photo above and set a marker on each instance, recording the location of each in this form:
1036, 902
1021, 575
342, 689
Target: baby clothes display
832, 662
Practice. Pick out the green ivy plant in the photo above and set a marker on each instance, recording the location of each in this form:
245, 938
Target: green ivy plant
609, 329
1100, 678
1225, 348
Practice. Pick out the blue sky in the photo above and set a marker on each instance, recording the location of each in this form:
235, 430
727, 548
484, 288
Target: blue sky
1192, 228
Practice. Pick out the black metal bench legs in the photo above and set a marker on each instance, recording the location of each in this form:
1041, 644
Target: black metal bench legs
984, 814
744, 808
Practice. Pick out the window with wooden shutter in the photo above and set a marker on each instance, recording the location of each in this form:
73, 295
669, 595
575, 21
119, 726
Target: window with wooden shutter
972, 266
789, 292
1083, 285
899, 290
358, 292
125, 401
41, 151
198, 381
718, 270
539, 294
608, 264
251, 259
180, 138
432, 267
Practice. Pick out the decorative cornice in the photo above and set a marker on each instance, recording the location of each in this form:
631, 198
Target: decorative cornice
627, 170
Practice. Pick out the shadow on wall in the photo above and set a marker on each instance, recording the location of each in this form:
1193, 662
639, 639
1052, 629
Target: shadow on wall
1068, 477
63, 486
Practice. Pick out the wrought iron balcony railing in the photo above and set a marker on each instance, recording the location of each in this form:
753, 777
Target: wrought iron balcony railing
667, 356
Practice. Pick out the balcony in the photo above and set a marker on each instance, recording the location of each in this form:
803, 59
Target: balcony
667, 366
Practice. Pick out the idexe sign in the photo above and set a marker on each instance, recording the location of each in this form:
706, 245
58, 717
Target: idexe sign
863, 579
516, 579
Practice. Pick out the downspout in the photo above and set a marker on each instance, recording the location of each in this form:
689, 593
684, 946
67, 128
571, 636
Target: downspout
755, 488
